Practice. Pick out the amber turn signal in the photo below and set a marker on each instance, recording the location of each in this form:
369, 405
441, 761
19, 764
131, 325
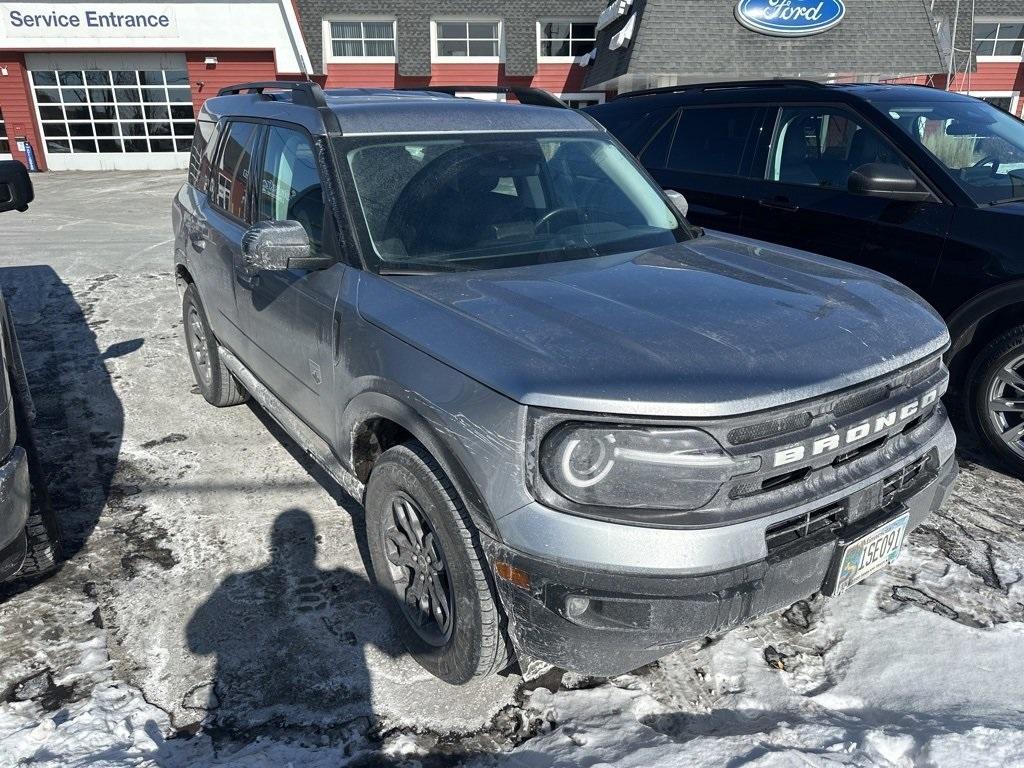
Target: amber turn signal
512, 574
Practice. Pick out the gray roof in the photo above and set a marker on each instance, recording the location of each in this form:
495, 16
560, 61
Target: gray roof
701, 39
362, 111
413, 26
945, 11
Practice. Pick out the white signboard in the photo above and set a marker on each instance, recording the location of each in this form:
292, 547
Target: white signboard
37, 20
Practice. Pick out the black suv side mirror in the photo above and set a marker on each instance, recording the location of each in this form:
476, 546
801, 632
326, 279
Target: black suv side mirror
279, 245
887, 180
15, 186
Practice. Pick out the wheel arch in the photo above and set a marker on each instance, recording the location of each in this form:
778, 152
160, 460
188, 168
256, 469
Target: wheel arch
978, 321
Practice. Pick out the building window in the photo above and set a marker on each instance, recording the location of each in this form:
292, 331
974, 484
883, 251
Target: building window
468, 39
1004, 38
361, 39
566, 39
5, 145
580, 100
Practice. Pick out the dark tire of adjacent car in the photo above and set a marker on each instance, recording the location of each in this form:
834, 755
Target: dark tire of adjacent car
996, 395
428, 564
43, 530
214, 380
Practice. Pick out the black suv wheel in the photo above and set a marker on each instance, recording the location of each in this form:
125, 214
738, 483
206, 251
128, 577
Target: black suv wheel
996, 393
428, 564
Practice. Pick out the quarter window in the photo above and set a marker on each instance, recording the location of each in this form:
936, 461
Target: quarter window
1004, 38
711, 140
362, 39
229, 181
822, 146
468, 38
565, 39
290, 188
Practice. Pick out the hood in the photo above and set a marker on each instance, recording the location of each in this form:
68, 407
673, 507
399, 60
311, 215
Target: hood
716, 326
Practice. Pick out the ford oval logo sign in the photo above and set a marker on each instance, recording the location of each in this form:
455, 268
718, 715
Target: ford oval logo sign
790, 18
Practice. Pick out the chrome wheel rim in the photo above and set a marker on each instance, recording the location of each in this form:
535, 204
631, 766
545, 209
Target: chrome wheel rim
1006, 404
418, 571
197, 344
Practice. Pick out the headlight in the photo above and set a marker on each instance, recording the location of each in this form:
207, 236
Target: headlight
653, 468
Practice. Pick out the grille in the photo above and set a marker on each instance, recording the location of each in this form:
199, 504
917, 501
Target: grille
860, 400
803, 526
766, 429
899, 483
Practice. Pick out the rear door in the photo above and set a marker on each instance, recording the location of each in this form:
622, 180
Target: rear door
804, 162
705, 153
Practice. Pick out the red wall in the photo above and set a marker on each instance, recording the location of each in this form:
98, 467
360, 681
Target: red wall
15, 101
232, 67
557, 78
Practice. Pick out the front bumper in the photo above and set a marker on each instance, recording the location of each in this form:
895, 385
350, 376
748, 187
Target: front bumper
15, 502
633, 618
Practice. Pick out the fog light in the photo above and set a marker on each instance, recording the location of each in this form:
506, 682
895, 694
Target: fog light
576, 606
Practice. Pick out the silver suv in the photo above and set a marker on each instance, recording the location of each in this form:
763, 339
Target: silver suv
584, 431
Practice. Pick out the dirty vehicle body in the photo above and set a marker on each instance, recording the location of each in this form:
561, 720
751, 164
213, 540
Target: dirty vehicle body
580, 425
29, 543
921, 184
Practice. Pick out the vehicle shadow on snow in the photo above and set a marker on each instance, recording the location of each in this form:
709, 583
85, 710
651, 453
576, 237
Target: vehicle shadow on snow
79, 417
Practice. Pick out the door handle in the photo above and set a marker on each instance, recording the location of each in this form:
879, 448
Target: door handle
779, 204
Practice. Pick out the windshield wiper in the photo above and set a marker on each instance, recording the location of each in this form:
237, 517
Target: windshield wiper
417, 268
1019, 199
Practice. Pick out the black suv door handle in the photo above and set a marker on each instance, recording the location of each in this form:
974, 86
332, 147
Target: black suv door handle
779, 204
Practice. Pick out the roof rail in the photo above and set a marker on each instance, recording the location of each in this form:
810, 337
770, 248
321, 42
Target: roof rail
533, 96
724, 85
304, 92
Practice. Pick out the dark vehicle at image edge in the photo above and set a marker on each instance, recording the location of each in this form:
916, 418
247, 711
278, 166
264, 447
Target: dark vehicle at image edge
920, 184
29, 539
582, 433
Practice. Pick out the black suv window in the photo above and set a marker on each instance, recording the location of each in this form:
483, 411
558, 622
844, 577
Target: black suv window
820, 146
229, 182
290, 187
712, 139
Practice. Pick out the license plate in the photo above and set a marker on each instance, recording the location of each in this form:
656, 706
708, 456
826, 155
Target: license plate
869, 554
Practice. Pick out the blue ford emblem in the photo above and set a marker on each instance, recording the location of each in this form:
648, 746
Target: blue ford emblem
790, 18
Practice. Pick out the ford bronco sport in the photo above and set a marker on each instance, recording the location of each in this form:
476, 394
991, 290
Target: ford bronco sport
575, 423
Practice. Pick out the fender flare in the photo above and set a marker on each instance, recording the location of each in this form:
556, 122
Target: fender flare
378, 403
964, 321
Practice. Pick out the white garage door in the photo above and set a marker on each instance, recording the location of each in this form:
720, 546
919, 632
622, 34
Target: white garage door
113, 111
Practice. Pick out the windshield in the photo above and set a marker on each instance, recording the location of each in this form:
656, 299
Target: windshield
982, 146
491, 201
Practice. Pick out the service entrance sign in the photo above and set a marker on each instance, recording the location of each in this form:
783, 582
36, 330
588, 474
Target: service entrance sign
34, 21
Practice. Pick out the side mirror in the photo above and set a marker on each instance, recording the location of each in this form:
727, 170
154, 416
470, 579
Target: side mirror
678, 200
15, 186
887, 180
279, 245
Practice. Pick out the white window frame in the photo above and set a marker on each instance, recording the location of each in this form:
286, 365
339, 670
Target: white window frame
597, 97
1014, 97
562, 20
435, 58
328, 38
998, 20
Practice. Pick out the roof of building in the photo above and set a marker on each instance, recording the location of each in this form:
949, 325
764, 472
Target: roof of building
702, 40
364, 111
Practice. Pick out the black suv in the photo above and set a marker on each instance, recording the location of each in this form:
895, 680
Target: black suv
923, 185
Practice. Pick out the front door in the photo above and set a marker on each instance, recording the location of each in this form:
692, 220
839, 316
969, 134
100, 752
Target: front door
289, 314
803, 200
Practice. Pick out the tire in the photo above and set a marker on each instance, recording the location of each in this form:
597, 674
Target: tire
44, 537
213, 378
997, 375
472, 642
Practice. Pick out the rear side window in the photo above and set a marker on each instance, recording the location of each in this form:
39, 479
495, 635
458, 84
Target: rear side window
712, 139
290, 188
204, 144
634, 128
229, 182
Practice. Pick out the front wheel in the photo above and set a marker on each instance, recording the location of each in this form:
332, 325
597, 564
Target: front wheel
428, 564
996, 397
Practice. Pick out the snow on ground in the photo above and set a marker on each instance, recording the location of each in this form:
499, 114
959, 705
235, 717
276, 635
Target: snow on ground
215, 610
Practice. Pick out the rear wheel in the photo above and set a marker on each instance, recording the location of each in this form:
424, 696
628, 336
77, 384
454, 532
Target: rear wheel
215, 381
44, 539
996, 395
427, 562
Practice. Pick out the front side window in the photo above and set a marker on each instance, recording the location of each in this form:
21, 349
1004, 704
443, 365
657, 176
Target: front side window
567, 39
356, 39
980, 145
229, 180
485, 201
290, 188
822, 146
479, 39
711, 140
1005, 38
